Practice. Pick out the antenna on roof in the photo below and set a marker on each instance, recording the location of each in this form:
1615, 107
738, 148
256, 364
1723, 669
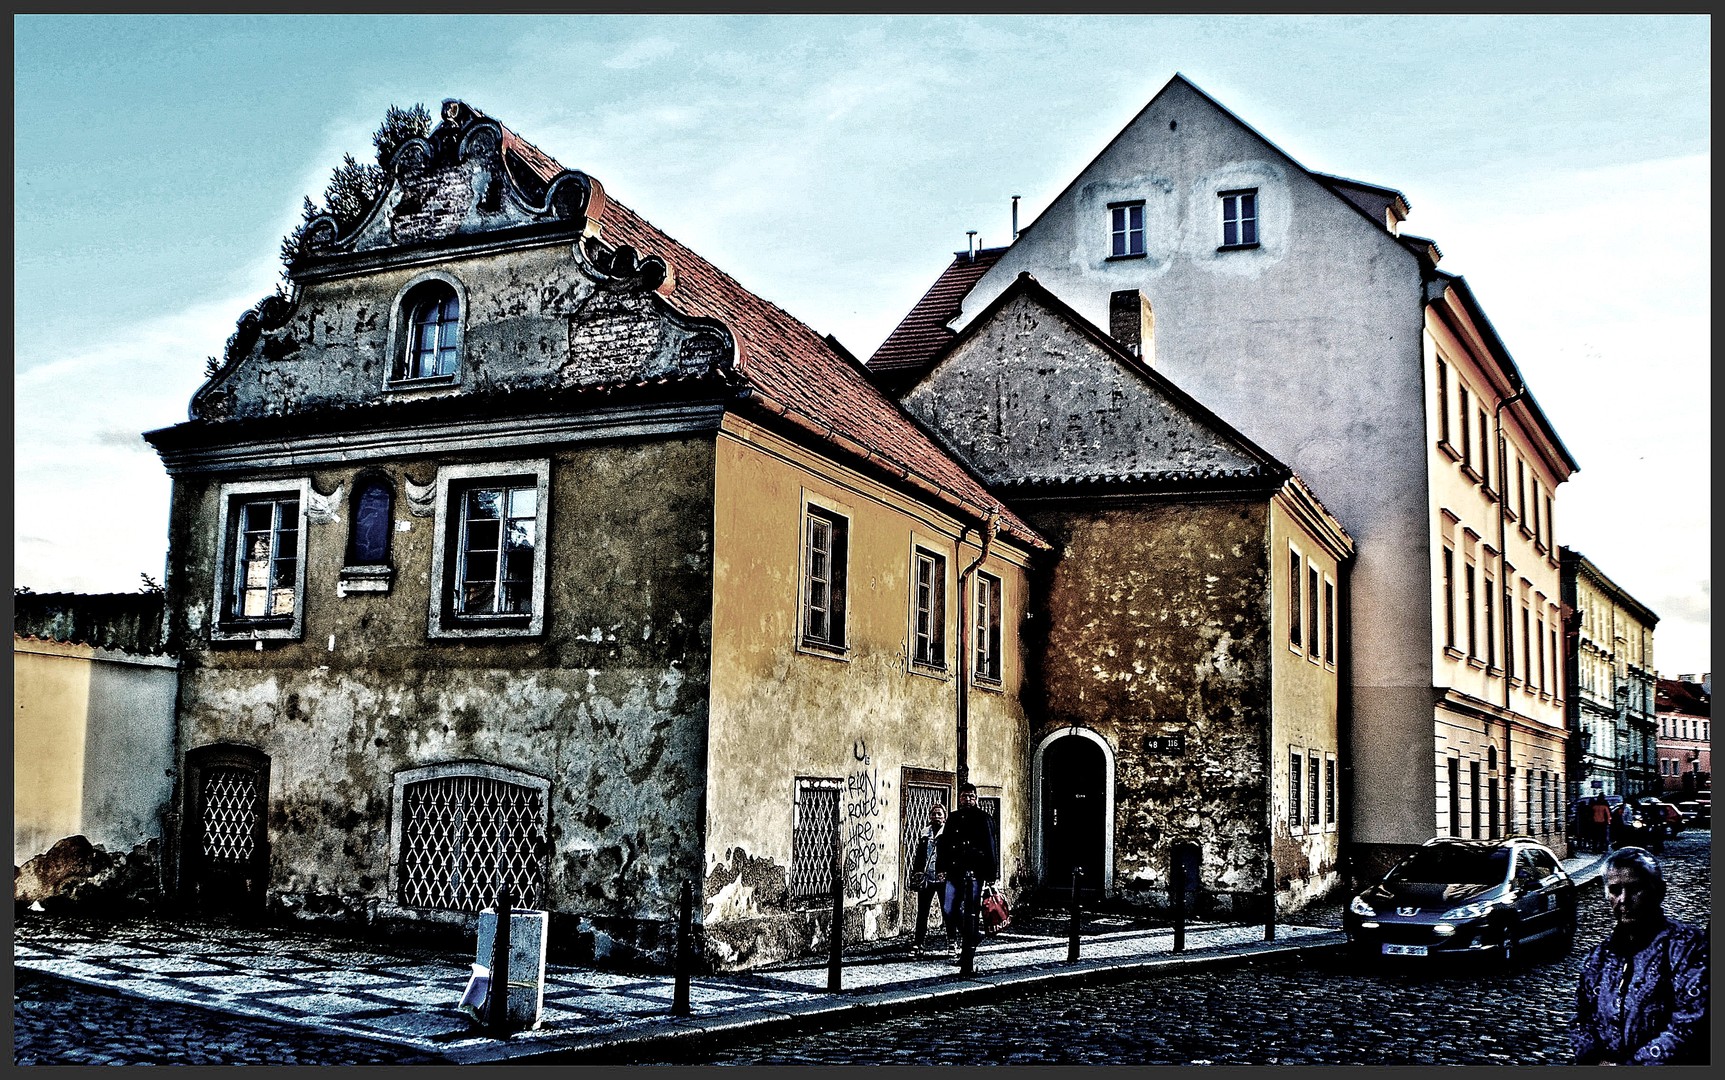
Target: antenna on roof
971, 243
1015, 199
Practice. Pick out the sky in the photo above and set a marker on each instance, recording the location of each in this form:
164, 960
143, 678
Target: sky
833, 165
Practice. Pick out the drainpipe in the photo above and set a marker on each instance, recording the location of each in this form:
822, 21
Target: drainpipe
1015, 199
1506, 622
990, 526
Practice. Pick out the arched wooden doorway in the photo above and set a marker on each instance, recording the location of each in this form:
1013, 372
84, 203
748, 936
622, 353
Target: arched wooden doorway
1075, 814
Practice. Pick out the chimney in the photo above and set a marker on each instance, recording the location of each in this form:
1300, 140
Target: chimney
970, 242
1015, 199
1132, 324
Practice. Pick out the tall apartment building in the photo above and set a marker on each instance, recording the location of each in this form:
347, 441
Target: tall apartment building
1611, 709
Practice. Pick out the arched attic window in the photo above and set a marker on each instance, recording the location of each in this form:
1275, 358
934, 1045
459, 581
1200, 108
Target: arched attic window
433, 339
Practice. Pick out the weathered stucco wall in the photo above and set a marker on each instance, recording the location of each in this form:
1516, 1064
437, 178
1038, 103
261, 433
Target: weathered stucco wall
1303, 714
1158, 625
609, 706
92, 745
780, 712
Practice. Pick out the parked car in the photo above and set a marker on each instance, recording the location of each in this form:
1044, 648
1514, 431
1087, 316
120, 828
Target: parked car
1466, 896
1661, 816
1691, 812
1631, 828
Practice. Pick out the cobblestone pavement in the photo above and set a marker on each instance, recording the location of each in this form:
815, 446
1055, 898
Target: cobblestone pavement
56, 1022
1321, 1010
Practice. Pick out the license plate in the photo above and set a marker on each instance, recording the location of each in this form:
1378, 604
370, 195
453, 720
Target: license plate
1404, 950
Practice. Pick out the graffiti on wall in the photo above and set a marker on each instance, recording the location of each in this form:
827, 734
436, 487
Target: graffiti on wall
863, 834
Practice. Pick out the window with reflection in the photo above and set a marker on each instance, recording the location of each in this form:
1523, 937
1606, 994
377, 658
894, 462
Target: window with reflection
433, 346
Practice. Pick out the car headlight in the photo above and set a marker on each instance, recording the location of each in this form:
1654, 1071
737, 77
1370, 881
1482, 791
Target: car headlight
1359, 907
1467, 911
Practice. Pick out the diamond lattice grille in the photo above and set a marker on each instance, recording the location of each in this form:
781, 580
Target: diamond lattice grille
463, 836
919, 802
230, 815
814, 835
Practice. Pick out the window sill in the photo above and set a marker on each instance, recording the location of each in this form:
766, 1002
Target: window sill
811, 647
436, 382
1476, 663
246, 631
1125, 258
1471, 473
1238, 247
1452, 652
993, 686
364, 579
462, 627
929, 671
1449, 451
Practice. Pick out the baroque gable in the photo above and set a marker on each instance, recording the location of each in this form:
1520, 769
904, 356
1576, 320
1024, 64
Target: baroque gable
1033, 394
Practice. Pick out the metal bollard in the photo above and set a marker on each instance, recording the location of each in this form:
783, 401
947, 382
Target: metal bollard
968, 926
1177, 884
1269, 899
685, 919
1072, 939
835, 942
497, 1015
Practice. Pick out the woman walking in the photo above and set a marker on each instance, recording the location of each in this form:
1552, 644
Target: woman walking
927, 881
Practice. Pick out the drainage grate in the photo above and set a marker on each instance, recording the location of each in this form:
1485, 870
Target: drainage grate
463, 836
813, 837
230, 816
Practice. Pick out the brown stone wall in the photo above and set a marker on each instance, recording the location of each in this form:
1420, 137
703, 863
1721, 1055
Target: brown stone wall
1157, 624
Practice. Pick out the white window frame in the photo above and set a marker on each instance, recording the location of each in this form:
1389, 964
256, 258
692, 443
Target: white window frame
1332, 791
939, 590
1314, 612
1331, 623
225, 626
444, 622
1234, 212
988, 643
1121, 233
397, 372
836, 642
1296, 600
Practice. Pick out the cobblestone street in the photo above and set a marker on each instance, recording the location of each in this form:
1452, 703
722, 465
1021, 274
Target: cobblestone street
1327, 1011
1322, 1009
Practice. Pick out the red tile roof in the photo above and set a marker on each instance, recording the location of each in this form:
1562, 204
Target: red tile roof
922, 333
791, 370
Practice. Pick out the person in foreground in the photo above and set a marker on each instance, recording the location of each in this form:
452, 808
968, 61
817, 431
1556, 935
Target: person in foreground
1642, 999
967, 847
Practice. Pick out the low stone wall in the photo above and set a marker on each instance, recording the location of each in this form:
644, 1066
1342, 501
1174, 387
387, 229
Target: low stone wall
76, 875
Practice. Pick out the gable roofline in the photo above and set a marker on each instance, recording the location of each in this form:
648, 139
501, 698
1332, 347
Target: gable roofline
1026, 285
1580, 564
1457, 286
1399, 200
1323, 180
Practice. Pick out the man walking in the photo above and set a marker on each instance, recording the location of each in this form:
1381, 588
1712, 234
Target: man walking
1642, 999
966, 848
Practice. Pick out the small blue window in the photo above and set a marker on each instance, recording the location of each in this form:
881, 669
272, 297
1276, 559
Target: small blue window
368, 544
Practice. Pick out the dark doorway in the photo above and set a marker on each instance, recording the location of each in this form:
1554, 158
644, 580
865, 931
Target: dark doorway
1074, 805
226, 845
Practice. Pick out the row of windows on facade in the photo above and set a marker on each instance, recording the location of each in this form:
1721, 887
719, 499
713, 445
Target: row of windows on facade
493, 540
1603, 622
1670, 766
1684, 727
1541, 801
1306, 800
1598, 676
1239, 223
1307, 616
1539, 640
1475, 455
826, 575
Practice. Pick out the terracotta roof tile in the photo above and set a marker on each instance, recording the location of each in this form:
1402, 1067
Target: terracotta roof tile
789, 363
922, 333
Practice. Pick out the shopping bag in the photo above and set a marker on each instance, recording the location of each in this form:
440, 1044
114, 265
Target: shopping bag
996, 916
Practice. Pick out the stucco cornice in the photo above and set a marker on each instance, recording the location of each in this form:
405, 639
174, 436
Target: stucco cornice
442, 437
1574, 562
1468, 705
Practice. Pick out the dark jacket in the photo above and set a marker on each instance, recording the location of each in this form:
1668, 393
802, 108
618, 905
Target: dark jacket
1644, 1002
967, 845
927, 848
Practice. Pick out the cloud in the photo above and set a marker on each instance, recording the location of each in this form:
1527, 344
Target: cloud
641, 53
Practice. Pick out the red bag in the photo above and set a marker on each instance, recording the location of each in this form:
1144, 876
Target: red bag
996, 916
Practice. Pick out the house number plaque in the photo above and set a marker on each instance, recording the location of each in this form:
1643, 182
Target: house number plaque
1165, 744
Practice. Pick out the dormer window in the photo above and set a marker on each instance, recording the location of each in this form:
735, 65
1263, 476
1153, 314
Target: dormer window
433, 346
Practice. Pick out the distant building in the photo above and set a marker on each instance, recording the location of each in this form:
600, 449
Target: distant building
92, 721
1685, 744
1295, 307
1610, 673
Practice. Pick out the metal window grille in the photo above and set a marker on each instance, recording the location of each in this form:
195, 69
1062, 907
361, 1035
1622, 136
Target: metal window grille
230, 815
1295, 759
464, 836
814, 836
1312, 790
918, 803
1329, 791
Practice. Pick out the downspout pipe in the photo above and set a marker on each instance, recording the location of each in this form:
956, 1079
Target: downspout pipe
990, 528
1506, 622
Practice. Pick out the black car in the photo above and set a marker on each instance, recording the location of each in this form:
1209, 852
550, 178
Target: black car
1466, 896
